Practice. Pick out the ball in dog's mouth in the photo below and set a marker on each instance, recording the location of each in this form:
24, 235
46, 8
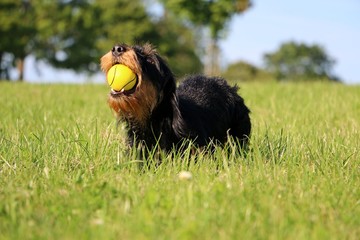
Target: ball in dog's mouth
121, 79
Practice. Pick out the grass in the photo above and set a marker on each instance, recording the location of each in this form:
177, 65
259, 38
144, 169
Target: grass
66, 173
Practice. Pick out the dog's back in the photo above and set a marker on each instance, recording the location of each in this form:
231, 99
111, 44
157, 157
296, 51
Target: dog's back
212, 110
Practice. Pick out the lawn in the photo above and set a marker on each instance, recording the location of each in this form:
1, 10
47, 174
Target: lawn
66, 172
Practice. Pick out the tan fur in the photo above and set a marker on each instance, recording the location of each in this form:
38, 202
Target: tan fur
138, 105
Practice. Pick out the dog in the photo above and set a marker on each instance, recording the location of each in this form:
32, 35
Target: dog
157, 113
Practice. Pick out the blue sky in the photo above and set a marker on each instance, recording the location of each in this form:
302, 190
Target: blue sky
333, 24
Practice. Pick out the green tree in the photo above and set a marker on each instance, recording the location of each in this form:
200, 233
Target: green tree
67, 33
74, 34
299, 61
177, 42
124, 21
55, 31
17, 30
82, 30
243, 71
213, 16
134, 25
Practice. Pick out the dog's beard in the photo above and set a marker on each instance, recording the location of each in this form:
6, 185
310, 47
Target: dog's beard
138, 106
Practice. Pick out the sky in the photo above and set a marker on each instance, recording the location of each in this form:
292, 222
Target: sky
333, 24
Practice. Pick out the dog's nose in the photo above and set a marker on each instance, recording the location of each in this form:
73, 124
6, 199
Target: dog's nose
117, 50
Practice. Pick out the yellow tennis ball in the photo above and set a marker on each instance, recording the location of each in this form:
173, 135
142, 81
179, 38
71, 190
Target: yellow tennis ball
120, 77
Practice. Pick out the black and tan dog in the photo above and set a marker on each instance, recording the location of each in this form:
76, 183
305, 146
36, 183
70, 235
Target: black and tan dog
202, 109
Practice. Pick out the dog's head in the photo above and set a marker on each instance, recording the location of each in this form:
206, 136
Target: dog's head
155, 81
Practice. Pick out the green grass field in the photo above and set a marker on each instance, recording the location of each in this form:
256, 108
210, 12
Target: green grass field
65, 171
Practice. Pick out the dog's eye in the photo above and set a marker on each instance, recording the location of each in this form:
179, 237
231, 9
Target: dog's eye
150, 60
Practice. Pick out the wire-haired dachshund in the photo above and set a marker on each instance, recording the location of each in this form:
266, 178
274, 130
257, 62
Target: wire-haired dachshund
158, 113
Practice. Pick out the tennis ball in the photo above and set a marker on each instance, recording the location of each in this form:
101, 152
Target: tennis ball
120, 77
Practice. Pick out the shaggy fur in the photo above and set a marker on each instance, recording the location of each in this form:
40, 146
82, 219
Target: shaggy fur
202, 109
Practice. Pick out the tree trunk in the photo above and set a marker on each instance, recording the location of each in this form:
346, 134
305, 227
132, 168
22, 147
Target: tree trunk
212, 63
20, 67
1, 67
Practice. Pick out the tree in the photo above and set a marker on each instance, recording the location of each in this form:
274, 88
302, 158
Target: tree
74, 34
178, 44
83, 30
17, 29
58, 31
134, 25
124, 21
298, 61
242, 71
214, 16
67, 39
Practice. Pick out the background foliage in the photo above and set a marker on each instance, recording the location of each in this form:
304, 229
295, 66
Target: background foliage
74, 34
212, 17
298, 61
243, 71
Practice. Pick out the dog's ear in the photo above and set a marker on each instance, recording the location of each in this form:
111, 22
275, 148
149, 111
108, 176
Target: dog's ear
167, 85
152, 56
154, 59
